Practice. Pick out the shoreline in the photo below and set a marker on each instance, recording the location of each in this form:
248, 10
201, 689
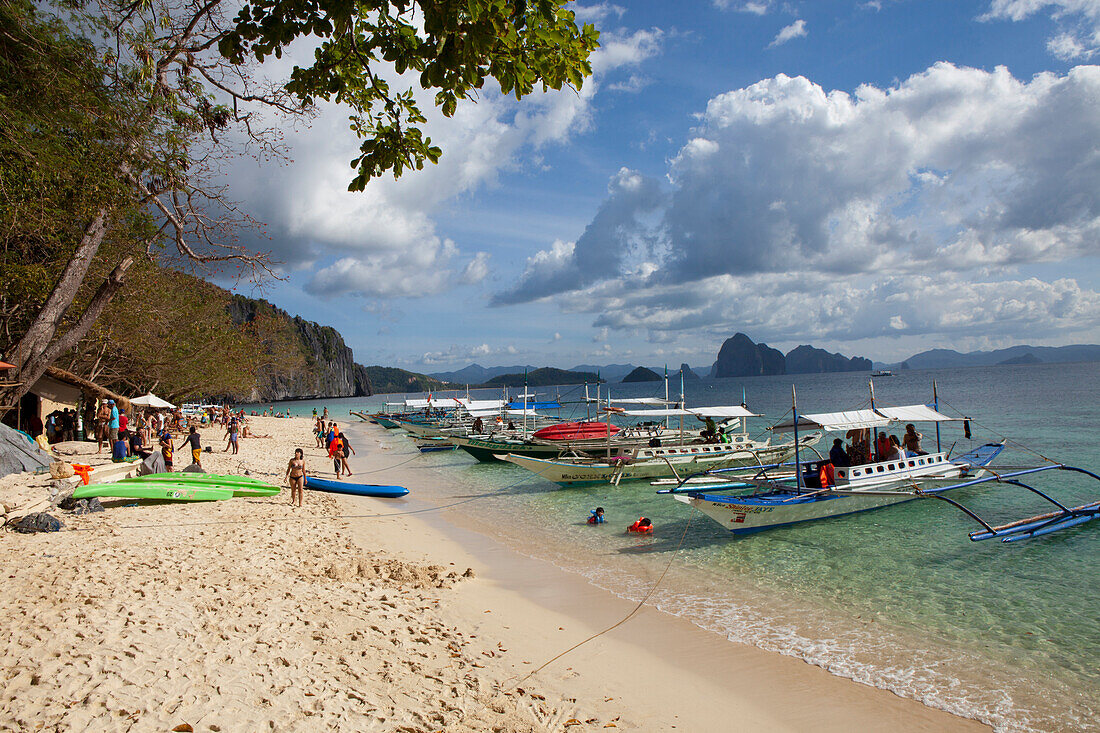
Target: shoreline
248, 613
768, 690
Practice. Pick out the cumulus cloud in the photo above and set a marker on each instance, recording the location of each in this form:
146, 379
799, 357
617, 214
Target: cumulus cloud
796, 29
789, 197
456, 353
756, 7
598, 12
384, 241
1078, 20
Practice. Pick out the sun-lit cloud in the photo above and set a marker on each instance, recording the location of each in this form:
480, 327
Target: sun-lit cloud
385, 241
1078, 21
890, 211
796, 29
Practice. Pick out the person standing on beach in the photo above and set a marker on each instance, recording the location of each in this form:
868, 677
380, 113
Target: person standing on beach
196, 447
167, 449
347, 449
296, 475
102, 417
324, 415
231, 434
336, 450
113, 424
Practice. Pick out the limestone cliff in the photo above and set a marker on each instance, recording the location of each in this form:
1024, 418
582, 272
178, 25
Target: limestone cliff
740, 357
809, 360
329, 368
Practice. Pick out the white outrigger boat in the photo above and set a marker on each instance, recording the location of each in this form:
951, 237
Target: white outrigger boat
818, 490
630, 463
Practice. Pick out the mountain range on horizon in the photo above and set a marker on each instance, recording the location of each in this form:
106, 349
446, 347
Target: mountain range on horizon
930, 359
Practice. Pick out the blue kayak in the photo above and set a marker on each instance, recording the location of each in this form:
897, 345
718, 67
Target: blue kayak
346, 487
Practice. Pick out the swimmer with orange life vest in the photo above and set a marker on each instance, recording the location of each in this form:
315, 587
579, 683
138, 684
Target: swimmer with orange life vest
642, 526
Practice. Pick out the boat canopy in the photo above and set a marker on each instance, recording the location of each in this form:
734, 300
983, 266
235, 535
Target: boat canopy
419, 403
862, 419
723, 411
642, 401
915, 413
669, 412
519, 405
484, 405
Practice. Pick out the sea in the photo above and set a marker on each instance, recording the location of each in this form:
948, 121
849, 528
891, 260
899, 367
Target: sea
898, 598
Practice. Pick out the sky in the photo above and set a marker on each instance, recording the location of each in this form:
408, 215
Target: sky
872, 177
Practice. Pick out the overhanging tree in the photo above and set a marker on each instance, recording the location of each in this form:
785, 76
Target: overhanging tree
171, 88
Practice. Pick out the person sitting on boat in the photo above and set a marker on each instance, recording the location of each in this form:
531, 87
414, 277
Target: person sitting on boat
882, 447
597, 516
911, 441
895, 451
837, 454
511, 425
479, 426
642, 526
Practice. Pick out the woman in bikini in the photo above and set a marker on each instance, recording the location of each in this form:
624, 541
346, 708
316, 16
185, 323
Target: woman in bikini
296, 475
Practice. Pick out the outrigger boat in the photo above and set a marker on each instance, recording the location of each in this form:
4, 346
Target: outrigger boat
633, 462
809, 492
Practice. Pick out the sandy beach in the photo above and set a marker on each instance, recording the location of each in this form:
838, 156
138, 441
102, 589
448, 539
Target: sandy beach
362, 614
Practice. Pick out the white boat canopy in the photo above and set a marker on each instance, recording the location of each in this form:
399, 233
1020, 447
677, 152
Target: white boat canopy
151, 400
481, 405
723, 411
915, 413
670, 412
436, 402
642, 401
862, 419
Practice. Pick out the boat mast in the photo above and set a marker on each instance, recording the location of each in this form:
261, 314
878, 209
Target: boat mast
587, 412
936, 407
608, 421
682, 405
874, 444
666, 402
797, 460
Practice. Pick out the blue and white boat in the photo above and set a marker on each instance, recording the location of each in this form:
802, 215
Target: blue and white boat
781, 495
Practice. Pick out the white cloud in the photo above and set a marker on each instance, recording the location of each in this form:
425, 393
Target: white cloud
796, 29
477, 269
756, 7
457, 353
598, 12
804, 211
384, 240
1078, 21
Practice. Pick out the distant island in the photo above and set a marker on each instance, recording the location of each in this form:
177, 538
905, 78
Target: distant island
543, 377
740, 357
1023, 354
641, 374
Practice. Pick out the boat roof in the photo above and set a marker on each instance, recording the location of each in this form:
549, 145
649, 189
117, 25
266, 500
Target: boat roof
862, 419
642, 401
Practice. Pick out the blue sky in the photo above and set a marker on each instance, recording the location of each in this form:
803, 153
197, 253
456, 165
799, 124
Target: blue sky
876, 178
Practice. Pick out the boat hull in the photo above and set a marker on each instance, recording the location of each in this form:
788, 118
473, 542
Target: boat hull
759, 511
487, 451
670, 463
347, 487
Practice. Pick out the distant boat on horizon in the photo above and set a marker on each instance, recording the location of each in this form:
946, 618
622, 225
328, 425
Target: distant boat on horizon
882, 373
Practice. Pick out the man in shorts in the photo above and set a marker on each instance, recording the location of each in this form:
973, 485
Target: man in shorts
196, 446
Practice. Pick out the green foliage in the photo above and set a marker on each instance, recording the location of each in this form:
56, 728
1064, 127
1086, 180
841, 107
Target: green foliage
61, 128
390, 380
172, 334
544, 377
449, 47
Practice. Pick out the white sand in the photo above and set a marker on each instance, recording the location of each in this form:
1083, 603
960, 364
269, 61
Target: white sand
249, 614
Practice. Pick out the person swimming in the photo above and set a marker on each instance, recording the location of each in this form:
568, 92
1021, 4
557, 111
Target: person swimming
642, 526
597, 516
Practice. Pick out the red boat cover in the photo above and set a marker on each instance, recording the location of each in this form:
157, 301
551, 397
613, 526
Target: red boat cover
575, 431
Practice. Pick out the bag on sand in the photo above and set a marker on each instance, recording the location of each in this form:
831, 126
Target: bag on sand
40, 522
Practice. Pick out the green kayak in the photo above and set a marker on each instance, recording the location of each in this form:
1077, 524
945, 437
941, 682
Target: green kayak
240, 485
154, 490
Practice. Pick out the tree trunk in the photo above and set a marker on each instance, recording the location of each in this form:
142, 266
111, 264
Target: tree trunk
33, 368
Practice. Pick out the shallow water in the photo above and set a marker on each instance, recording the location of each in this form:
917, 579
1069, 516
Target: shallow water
898, 598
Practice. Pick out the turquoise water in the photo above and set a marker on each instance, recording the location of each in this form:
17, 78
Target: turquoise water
899, 598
